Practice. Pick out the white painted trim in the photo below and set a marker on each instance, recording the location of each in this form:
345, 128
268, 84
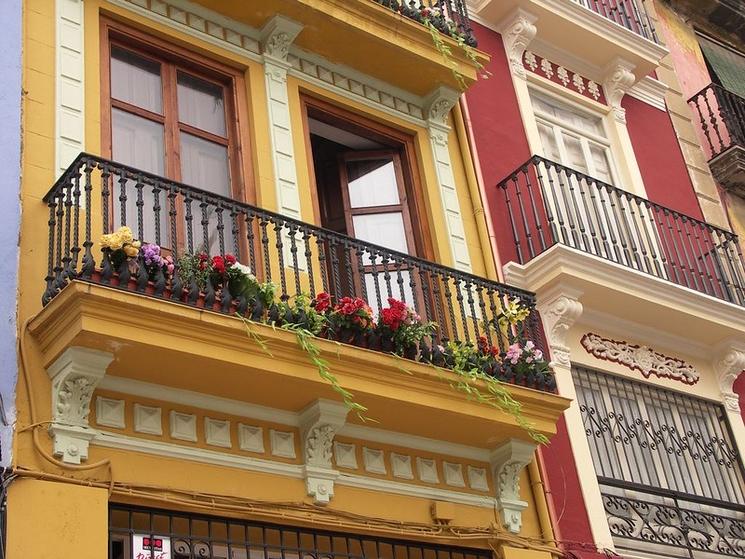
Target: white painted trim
246, 410
412, 490
69, 80
216, 458
194, 454
650, 91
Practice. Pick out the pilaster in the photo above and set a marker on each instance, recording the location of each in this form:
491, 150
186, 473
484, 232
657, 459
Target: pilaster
74, 375
319, 423
728, 364
438, 107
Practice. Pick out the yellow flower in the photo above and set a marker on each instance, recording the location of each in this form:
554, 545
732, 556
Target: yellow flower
131, 250
112, 241
120, 239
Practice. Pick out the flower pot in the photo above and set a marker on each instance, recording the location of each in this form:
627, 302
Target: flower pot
410, 352
346, 335
257, 310
386, 344
373, 341
149, 288
360, 339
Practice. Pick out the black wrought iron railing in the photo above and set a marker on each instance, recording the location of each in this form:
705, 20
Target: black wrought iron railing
547, 203
301, 259
631, 14
450, 17
721, 116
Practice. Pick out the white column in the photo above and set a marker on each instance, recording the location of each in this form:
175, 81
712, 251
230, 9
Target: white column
276, 37
319, 423
75, 375
560, 308
438, 107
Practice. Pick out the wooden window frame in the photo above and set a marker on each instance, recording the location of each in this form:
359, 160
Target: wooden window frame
174, 58
389, 137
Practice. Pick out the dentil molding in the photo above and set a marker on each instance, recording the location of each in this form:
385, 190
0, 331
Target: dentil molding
639, 358
517, 30
74, 375
507, 462
319, 423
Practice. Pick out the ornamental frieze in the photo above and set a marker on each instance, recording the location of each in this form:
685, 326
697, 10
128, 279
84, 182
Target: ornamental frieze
639, 358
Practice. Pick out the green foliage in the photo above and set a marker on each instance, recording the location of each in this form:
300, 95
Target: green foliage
190, 268
447, 54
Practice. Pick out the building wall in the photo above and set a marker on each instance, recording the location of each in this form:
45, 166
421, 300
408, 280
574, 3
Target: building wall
10, 168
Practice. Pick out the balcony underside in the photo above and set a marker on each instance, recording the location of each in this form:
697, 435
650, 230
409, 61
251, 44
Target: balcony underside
582, 33
363, 35
728, 169
170, 344
630, 295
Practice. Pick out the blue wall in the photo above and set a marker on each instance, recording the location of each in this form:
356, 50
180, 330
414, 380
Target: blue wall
10, 173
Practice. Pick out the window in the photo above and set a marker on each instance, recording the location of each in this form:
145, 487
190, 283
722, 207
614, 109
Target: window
573, 139
171, 116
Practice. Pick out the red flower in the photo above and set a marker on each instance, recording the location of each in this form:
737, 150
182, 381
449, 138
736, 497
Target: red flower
230, 260
322, 301
203, 260
218, 264
395, 315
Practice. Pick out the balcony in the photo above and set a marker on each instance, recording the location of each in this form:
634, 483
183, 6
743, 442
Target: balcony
96, 300
720, 115
595, 31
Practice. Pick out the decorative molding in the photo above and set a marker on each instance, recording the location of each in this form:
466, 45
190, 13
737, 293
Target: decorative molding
639, 358
618, 80
345, 455
148, 420
727, 368
507, 461
559, 309
651, 91
74, 376
453, 474
517, 30
276, 37
217, 432
374, 460
477, 479
283, 443
110, 412
427, 470
437, 108
401, 465
182, 426
319, 423
573, 81
251, 438
69, 82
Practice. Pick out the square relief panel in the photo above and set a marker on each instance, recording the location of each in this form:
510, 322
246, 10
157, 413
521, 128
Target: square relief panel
148, 420
453, 474
427, 469
477, 479
283, 443
401, 464
183, 426
110, 412
374, 460
345, 455
217, 432
251, 438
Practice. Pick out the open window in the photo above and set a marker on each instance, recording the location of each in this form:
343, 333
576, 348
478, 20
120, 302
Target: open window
365, 188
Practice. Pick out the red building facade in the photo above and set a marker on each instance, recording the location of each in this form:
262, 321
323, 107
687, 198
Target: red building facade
583, 139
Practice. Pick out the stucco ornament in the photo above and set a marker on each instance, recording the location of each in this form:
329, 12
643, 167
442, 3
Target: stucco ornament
559, 311
619, 78
728, 365
518, 30
507, 462
639, 358
74, 375
438, 105
319, 423
276, 37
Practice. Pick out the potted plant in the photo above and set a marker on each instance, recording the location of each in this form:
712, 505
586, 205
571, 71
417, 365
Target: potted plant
155, 269
350, 320
119, 249
401, 329
526, 363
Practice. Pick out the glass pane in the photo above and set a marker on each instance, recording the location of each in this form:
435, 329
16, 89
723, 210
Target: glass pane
138, 142
136, 80
600, 160
372, 183
575, 156
204, 164
200, 104
548, 140
386, 229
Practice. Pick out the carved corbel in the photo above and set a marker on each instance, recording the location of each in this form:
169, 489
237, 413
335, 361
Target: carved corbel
437, 107
319, 423
74, 375
275, 39
507, 462
728, 364
518, 30
619, 78
559, 310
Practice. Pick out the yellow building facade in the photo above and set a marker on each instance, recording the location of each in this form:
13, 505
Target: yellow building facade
153, 422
